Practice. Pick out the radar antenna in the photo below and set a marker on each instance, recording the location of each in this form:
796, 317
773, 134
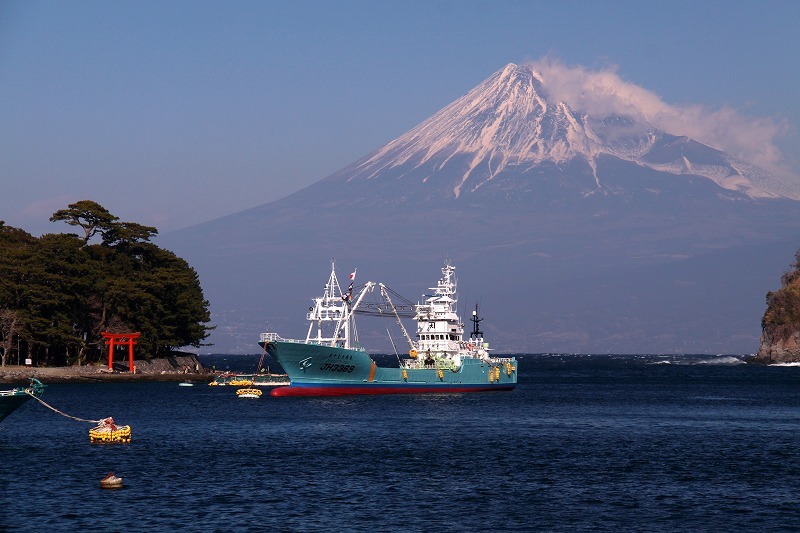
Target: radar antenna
476, 333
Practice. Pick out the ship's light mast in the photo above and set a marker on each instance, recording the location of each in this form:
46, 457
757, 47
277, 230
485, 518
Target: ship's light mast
476, 332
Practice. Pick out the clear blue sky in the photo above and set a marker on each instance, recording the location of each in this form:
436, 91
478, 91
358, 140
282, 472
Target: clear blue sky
171, 113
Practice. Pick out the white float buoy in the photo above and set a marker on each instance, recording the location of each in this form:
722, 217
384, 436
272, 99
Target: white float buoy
111, 481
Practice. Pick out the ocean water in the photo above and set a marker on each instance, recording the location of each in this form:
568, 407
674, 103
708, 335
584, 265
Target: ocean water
585, 443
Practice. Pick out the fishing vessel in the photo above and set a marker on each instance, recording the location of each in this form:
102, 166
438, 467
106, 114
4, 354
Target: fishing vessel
330, 361
11, 399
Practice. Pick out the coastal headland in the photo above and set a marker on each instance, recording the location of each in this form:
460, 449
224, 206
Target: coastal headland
185, 367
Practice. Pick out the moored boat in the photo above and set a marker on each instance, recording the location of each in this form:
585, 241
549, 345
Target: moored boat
249, 380
10, 400
329, 362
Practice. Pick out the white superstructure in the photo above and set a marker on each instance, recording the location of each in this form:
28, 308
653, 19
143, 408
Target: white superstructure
331, 317
440, 332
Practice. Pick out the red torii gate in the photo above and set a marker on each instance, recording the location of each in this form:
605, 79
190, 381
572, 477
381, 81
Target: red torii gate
120, 338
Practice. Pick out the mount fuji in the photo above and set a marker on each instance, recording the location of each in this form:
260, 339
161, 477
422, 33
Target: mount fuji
504, 132
576, 233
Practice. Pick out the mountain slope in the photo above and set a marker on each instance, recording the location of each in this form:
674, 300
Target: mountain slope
576, 233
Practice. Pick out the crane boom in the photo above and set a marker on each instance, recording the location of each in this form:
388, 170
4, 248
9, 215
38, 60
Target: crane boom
397, 316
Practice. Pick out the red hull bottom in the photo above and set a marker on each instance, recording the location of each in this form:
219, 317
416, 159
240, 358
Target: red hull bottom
348, 391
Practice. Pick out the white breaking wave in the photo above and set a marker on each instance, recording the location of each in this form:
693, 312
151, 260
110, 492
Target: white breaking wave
725, 360
698, 360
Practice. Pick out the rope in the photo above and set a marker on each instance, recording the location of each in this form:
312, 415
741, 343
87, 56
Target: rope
59, 412
263, 353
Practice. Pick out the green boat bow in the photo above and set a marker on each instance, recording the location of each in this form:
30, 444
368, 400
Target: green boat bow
11, 400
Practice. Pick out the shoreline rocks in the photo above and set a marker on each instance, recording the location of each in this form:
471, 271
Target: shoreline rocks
779, 344
183, 367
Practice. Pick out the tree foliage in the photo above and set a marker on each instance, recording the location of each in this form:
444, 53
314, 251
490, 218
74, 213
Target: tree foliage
783, 305
89, 215
58, 292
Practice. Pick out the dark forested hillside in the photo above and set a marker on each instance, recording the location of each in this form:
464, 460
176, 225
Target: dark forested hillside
59, 291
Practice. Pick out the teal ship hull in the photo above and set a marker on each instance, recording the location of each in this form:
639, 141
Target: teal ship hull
11, 400
317, 370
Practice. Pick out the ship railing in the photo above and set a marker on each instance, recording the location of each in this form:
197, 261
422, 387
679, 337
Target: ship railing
436, 365
272, 337
324, 315
503, 359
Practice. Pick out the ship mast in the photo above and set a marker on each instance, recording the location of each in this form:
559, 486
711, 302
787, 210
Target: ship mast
329, 310
331, 316
476, 333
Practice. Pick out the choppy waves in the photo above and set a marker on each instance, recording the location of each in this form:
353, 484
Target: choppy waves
637, 359
585, 443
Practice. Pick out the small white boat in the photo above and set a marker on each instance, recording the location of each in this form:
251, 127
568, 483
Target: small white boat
185, 384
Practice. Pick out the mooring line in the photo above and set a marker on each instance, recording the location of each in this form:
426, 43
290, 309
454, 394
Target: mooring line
60, 412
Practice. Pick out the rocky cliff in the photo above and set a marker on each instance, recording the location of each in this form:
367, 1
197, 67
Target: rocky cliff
780, 337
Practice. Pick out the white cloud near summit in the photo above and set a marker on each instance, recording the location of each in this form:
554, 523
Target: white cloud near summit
602, 92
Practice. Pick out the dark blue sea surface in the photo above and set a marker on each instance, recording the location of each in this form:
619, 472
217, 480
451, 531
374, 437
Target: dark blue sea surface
600, 443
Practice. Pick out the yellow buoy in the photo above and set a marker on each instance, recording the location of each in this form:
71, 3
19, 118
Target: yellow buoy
441, 374
412, 353
405, 374
107, 432
248, 393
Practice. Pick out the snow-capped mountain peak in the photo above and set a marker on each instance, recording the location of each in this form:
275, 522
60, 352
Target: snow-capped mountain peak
508, 122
